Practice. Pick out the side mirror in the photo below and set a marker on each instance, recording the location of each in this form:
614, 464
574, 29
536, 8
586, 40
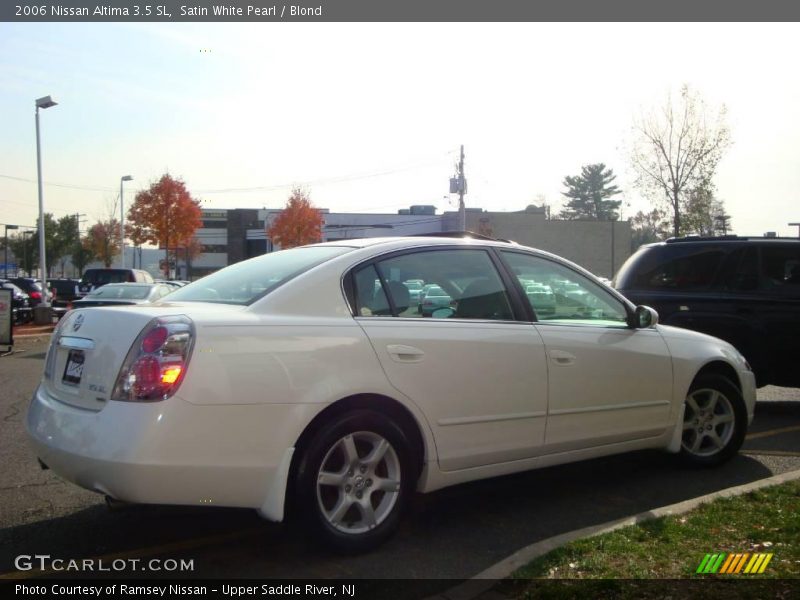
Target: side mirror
643, 317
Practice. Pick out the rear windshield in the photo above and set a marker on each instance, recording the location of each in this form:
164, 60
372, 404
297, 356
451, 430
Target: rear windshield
62, 286
120, 292
104, 276
247, 281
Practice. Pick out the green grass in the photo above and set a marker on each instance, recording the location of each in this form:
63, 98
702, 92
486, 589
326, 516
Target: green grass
766, 520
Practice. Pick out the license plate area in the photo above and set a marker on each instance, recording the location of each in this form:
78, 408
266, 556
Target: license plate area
73, 370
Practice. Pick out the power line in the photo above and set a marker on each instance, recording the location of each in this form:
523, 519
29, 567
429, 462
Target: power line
261, 188
63, 185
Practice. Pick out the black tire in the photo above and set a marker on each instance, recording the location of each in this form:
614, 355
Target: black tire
719, 424
360, 484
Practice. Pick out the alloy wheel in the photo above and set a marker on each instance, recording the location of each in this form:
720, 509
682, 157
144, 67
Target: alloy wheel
358, 483
708, 422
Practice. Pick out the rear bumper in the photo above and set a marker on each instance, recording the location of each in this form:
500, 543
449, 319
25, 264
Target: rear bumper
170, 452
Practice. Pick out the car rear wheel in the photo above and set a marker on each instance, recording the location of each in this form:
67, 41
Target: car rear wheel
354, 480
714, 421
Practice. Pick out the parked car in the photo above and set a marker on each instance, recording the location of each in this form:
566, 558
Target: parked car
20, 303
95, 278
745, 290
120, 294
65, 291
32, 287
311, 394
541, 297
432, 298
415, 287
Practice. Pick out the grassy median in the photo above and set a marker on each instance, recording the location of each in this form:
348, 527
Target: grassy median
762, 521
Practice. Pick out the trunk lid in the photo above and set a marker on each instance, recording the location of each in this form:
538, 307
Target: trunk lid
89, 346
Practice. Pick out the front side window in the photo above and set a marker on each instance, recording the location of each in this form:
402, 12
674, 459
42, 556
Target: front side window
560, 295
441, 284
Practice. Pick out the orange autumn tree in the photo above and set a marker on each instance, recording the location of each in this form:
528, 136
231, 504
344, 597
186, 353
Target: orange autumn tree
298, 224
165, 214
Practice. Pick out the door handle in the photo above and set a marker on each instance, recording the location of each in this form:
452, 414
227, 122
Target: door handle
403, 353
562, 358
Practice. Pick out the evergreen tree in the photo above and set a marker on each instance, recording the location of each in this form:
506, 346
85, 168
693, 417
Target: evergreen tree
591, 194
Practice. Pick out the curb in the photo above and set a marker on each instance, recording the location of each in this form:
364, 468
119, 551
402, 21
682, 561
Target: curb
487, 579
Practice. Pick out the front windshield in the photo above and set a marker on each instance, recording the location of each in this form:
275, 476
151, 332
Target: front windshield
247, 281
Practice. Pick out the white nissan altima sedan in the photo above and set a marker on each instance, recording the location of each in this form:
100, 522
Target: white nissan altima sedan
308, 380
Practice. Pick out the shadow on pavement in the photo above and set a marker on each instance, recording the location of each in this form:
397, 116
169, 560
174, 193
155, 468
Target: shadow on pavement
453, 533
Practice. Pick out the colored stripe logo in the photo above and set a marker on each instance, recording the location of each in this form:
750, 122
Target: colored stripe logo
736, 563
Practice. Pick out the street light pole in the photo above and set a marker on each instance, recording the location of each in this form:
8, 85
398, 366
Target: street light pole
5, 245
43, 103
122, 180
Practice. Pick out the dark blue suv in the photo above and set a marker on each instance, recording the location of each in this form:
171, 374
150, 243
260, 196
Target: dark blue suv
745, 290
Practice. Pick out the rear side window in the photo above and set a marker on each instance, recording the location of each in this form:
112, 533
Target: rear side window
740, 271
440, 284
685, 267
371, 300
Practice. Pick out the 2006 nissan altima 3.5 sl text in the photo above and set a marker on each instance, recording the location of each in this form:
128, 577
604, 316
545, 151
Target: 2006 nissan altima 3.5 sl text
309, 376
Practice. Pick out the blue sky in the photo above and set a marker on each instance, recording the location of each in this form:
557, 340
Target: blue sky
370, 116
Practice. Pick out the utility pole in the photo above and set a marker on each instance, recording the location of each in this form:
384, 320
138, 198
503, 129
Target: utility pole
458, 185
78, 237
462, 211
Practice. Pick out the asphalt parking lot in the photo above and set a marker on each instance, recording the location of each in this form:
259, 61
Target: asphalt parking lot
451, 534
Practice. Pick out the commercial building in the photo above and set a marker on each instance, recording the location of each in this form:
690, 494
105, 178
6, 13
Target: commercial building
230, 235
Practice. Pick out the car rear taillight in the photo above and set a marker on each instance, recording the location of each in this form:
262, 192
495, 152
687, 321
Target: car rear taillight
157, 362
36, 295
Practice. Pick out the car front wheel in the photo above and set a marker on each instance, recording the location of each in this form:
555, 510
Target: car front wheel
714, 421
354, 480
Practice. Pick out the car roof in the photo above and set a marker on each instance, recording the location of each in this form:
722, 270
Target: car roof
725, 238
421, 240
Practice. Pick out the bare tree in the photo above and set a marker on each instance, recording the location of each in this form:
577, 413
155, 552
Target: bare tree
677, 149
